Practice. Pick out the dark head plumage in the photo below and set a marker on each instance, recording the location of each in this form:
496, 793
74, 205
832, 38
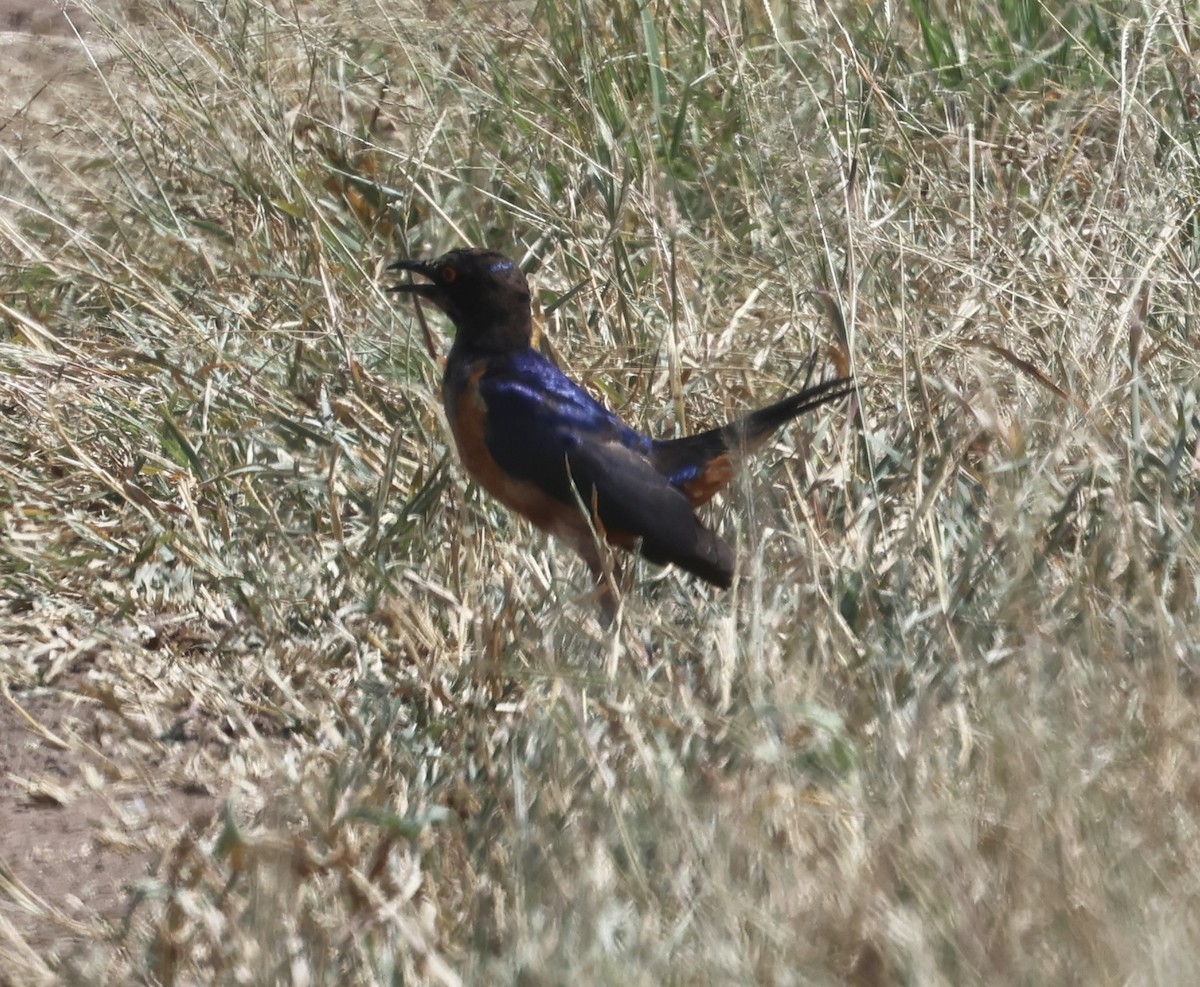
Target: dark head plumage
484, 293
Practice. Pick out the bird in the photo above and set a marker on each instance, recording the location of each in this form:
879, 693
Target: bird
545, 448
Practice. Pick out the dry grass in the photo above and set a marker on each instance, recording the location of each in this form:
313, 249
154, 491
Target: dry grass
331, 716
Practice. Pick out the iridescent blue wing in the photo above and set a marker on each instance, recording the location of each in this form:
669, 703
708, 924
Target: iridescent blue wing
544, 429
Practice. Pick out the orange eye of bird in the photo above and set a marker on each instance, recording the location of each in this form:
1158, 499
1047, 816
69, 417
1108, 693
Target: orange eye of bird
449, 274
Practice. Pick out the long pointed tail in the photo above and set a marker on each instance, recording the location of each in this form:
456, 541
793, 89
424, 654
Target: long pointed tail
702, 464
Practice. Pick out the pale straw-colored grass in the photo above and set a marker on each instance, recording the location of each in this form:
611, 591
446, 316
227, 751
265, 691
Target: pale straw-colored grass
942, 730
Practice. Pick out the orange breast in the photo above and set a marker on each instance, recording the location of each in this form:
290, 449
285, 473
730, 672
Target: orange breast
469, 424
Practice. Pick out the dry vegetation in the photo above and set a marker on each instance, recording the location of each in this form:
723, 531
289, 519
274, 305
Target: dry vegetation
288, 701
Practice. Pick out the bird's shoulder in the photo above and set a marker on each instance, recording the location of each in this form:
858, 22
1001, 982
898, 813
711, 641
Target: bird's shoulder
524, 390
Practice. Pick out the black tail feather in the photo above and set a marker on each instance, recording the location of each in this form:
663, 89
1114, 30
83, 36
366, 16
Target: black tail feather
746, 434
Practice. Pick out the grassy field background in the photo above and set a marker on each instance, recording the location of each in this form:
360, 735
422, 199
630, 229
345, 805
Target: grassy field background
289, 701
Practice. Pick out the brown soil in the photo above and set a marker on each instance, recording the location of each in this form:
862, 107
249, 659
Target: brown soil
88, 799
42, 17
78, 831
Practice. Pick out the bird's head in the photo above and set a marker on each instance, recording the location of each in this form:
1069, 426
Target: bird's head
484, 293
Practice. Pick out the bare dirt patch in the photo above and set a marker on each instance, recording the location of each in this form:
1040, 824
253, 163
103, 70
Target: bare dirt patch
78, 830
49, 84
42, 17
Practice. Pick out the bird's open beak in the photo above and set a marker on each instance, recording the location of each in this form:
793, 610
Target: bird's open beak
430, 290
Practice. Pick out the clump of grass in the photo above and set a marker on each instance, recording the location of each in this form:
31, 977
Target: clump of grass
935, 734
